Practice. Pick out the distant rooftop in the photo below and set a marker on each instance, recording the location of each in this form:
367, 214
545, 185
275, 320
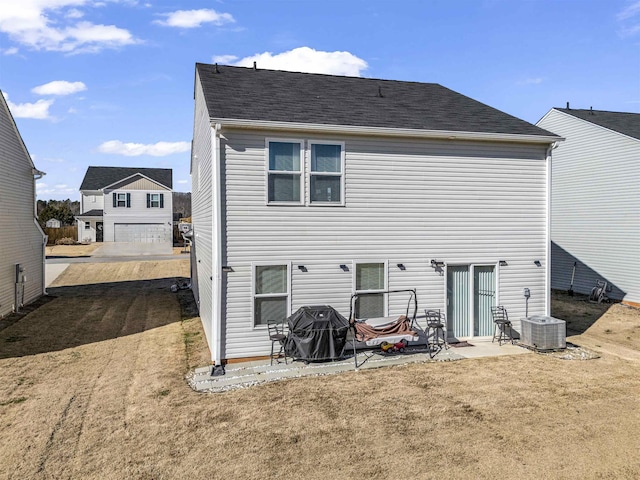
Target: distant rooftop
100, 177
271, 95
622, 122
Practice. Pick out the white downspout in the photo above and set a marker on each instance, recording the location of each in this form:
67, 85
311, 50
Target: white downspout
216, 278
547, 261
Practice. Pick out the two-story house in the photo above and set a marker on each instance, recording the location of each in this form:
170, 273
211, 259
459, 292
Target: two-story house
22, 241
595, 217
123, 204
308, 188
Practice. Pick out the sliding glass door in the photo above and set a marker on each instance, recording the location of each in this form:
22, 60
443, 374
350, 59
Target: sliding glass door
471, 292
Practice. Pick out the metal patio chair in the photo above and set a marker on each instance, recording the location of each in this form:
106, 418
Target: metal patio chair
436, 329
277, 336
503, 330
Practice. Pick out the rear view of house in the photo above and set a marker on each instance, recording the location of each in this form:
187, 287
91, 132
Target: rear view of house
595, 221
122, 204
308, 188
22, 241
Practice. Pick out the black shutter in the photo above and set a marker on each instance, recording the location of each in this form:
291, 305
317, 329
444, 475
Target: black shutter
162, 200
148, 200
128, 200
115, 199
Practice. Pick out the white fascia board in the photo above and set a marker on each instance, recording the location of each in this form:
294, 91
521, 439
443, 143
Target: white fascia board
385, 131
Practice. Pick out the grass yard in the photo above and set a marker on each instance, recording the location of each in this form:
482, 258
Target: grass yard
92, 387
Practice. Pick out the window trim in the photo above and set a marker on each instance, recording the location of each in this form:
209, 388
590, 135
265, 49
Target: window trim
385, 266
254, 265
341, 203
268, 171
87, 225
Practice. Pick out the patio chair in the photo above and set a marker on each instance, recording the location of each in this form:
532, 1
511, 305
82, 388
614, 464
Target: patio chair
503, 330
436, 329
277, 336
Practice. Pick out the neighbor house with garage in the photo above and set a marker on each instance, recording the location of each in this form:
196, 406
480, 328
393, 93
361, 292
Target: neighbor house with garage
308, 188
22, 241
124, 204
595, 216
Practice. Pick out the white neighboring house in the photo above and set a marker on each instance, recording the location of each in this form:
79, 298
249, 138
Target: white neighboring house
122, 204
307, 188
53, 223
22, 241
595, 220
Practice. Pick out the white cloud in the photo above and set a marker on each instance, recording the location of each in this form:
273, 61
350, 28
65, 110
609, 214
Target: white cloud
531, 81
59, 87
183, 182
159, 149
38, 110
61, 189
631, 11
224, 59
630, 26
194, 18
52, 25
305, 59
10, 51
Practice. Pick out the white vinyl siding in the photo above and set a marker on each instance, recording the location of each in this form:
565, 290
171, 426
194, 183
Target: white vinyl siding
21, 240
595, 207
406, 201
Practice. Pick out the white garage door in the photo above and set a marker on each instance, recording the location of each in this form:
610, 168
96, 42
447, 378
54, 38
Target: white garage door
141, 232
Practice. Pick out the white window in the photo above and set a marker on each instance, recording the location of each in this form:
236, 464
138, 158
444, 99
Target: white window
87, 225
121, 200
325, 173
271, 293
370, 278
284, 172
155, 200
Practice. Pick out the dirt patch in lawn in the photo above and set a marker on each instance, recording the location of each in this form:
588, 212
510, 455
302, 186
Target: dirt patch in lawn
71, 250
119, 407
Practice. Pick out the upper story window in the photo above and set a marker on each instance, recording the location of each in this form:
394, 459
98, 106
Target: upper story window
325, 176
121, 200
318, 166
155, 200
285, 172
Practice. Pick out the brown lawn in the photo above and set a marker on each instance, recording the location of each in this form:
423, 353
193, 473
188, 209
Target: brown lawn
92, 387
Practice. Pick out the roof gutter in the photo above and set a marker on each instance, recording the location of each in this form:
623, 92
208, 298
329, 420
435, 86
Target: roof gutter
386, 131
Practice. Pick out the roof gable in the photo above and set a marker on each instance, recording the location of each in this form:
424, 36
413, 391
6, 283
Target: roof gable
278, 96
621, 122
98, 178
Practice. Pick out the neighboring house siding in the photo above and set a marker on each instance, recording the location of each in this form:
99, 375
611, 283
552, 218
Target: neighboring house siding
21, 240
202, 210
137, 213
407, 201
91, 201
595, 207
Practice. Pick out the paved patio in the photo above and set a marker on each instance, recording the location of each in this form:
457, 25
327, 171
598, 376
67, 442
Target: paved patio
246, 374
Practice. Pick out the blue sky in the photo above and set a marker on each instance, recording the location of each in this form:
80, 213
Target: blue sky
110, 82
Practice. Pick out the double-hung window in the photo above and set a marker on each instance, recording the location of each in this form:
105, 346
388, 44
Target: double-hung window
285, 172
370, 279
155, 200
305, 172
325, 174
87, 225
271, 293
121, 200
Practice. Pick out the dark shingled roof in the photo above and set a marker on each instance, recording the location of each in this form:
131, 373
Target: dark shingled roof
626, 123
100, 177
92, 213
272, 95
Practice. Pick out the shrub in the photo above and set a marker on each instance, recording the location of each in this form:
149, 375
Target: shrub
66, 241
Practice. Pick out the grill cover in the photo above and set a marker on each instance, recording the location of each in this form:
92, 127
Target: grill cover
316, 333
